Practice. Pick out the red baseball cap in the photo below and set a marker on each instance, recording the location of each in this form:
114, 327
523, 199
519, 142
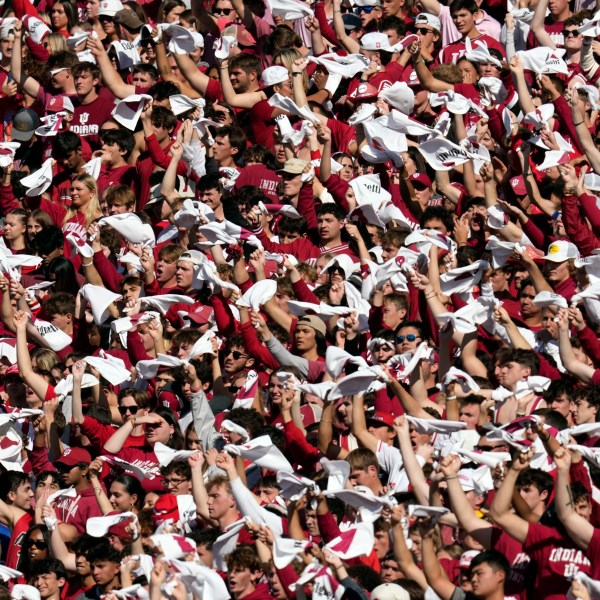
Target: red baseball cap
73, 456
421, 178
518, 185
200, 314
381, 419
165, 508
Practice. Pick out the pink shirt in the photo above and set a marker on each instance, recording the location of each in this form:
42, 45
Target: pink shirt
486, 25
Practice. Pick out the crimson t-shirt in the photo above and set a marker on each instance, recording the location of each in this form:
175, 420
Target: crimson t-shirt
452, 52
557, 559
522, 570
88, 118
261, 177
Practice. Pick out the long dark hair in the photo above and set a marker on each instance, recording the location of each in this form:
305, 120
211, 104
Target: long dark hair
133, 486
176, 441
65, 279
24, 563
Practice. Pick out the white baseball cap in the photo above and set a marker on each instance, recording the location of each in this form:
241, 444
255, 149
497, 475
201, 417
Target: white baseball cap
428, 19
389, 591
375, 41
109, 8
274, 75
561, 250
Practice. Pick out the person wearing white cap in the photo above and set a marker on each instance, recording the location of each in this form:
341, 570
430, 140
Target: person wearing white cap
7, 42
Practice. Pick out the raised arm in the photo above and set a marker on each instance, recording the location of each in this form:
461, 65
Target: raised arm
525, 99
26, 83
111, 78
359, 425
352, 46
580, 530
435, 574
570, 362
500, 511
37, 383
246, 100
537, 25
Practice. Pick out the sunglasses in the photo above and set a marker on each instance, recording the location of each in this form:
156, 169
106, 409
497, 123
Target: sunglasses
423, 31
364, 9
63, 468
132, 409
409, 337
222, 11
345, 9
234, 389
571, 32
39, 544
237, 355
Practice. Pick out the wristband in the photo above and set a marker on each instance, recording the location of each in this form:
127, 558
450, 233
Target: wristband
451, 477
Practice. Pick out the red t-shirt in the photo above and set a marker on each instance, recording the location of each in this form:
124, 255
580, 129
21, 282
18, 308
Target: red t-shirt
452, 52
16, 540
263, 125
522, 570
553, 29
125, 175
557, 559
88, 117
260, 177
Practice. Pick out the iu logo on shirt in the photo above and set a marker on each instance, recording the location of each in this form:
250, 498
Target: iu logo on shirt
83, 118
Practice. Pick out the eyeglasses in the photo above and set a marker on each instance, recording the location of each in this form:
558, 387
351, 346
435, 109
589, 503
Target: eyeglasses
345, 9
571, 32
409, 337
234, 389
236, 355
39, 544
364, 9
423, 31
222, 11
173, 482
64, 468
132, 409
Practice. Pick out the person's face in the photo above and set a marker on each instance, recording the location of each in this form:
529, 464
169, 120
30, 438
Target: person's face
368, 14
305, 338
499, 280
469, 414
418, 439
391, 7
118, 209
468, 71
423, 194
485, 580
72, 161
584, 412
47, 584
329, 227
240, 581
561, 404
220, 502
222, 115
85, 83
427, 36
548, 323
173, 15
37, 547
158, 432
80, 194
276, 389
205, 555
58, 17
161, 380
131, 292
291, 184
390, 571
224, 9
184, 274
487, 69
112, 153
70, 475
211, 198
14, 228
407, 339
382, 353
557, 7
361, 477
165, 270
381, 432
382, 544
393, 37
285, 88
240, 80
344, 413
416, 545
528, 308
279, 151
556, 272
435, 223
104, 571
6, 46
92, 7
347, 172
150, 500
389, 251
119, 498
192, 442
583, 508
276, 588
222, 148
463, 20
176, 484
82, 565
47, 483
267, 494
235, 361
512, 372
59, 79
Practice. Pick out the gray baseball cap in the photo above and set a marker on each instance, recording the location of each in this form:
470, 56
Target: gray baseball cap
25, 122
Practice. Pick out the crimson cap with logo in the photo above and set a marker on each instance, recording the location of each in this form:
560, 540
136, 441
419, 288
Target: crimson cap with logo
58, 104
166, 508
518, 185
74, 456
200, 314
421, 178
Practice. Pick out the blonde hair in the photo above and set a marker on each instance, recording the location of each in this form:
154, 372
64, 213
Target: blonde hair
56, 43
92, 208
287, 56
